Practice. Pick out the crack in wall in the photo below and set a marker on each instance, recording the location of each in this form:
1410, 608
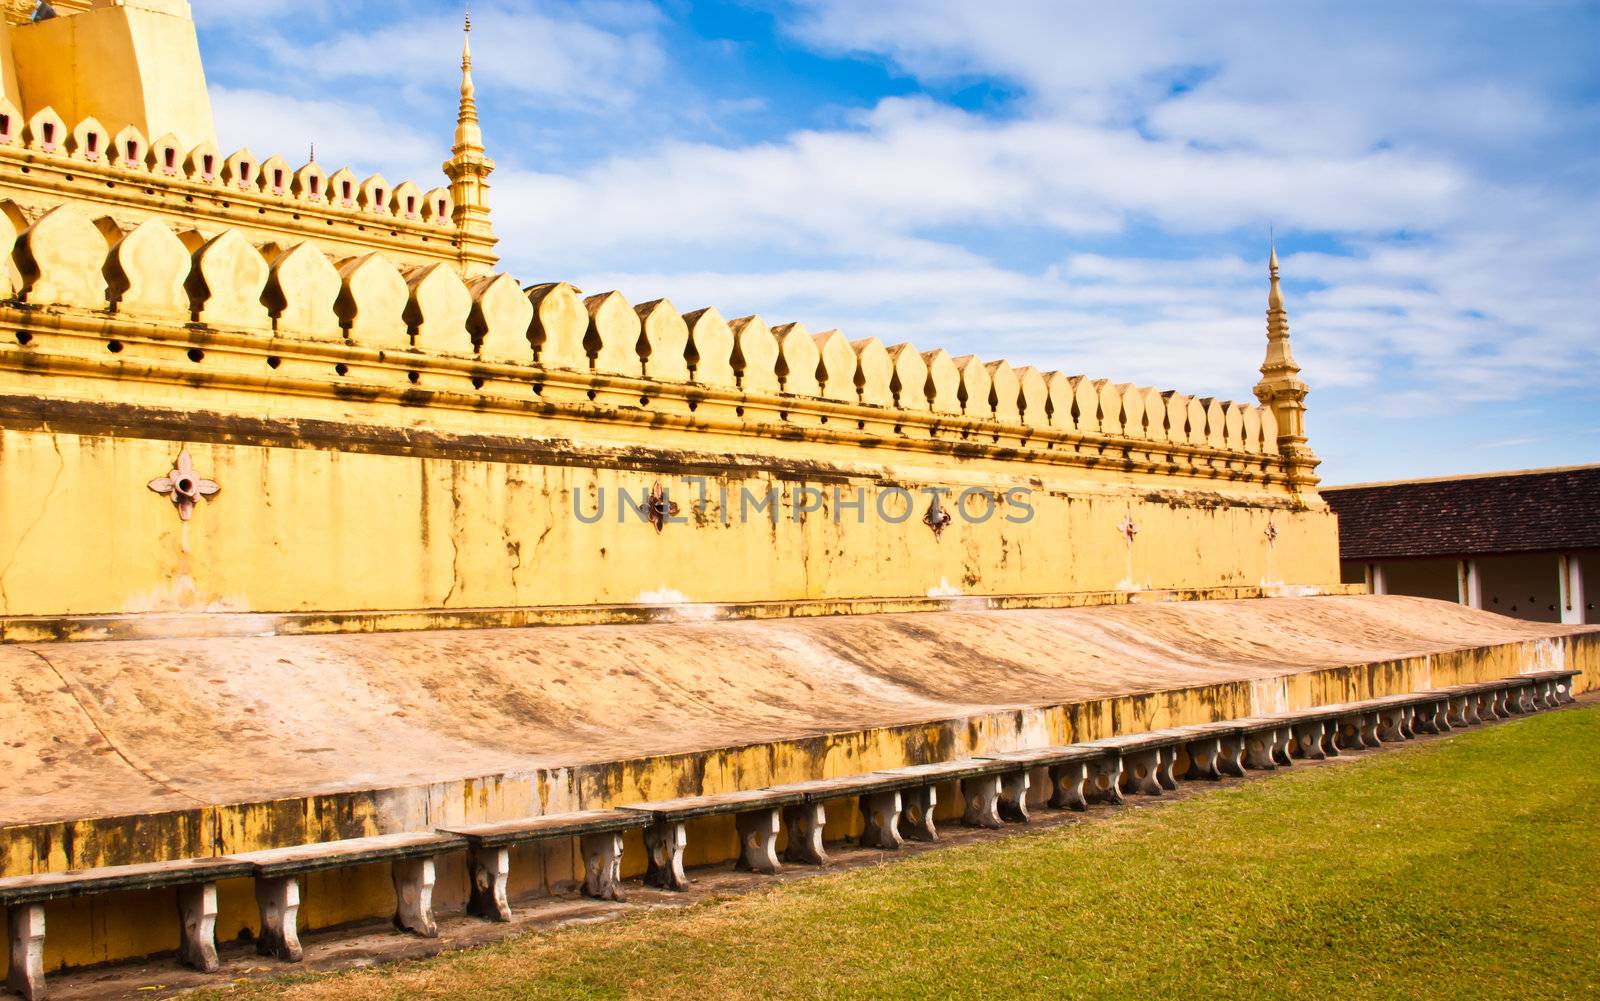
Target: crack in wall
44, 509
150, 773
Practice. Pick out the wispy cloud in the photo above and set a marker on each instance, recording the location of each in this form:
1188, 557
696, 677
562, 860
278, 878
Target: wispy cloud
1432, 172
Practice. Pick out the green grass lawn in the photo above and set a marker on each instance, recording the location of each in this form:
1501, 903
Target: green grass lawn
1459, 868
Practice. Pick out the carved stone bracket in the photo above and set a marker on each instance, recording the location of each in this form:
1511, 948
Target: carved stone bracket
602, 866
1069, 780
490, 870
279, 900
664, 843
758, 841
983, 801
916, 813
882, 813
413, 893
805, 823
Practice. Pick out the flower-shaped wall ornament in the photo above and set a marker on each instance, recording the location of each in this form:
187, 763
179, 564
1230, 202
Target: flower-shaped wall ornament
184, 486
1128, 528
937, 518
659, 508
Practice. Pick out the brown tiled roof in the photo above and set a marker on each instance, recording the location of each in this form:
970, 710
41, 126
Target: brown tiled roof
1539, 510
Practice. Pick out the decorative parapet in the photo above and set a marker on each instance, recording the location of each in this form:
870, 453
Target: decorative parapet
364, 325
44, 163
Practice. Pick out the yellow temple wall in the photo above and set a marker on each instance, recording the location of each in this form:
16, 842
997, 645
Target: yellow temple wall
392, 438
300, 530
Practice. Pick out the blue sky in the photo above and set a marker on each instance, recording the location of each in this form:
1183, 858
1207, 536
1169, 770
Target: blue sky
1078, 186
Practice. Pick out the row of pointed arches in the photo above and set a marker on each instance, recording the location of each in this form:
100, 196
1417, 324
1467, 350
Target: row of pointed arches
150, 272
240, 173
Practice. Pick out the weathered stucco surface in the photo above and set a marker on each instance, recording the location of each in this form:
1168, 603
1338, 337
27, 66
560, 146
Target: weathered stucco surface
98, 729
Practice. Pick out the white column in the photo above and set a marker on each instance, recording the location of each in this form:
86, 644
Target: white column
1572, 596
1469, 584
1377, 578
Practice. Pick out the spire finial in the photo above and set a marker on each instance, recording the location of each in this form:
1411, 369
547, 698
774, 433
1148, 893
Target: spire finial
468, 167
1281, 389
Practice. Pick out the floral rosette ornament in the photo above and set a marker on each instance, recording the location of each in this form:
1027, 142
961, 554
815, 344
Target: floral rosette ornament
184, 486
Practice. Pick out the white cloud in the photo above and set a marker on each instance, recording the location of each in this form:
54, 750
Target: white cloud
365, 138
580, 54
1433, 157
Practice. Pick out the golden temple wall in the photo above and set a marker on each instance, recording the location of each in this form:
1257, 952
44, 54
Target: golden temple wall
392, 438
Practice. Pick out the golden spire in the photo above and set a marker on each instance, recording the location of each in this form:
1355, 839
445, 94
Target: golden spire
1281, 389
468, 167
469, 137
1280, 360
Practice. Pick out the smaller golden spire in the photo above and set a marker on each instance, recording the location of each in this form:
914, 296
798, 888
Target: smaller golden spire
469, 137
1281, 389
469, 167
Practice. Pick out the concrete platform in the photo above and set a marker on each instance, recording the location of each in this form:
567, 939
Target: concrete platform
138, 727
124, 752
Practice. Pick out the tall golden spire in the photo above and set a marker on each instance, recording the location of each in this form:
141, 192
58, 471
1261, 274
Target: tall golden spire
1280, 359
469, 167
1281, 389
469, 137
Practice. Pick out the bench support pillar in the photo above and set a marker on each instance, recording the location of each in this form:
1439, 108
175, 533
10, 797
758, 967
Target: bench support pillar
1013, 805
1536, 692
413, 896
882, 813
1307, 741
1282, 743
1330, 738
1069, 780
1204, 759
1517, 700
758, 841
25, 924
197, 924
1367, 730
805, 823
1142, 770
1166, 770
602, 865
982, 794
1258, 750
1351, 733
1105, 780
488, 870
1497, 704
279, 900
916, 813
1391, 725
1434, 717
664, 842
1231, 760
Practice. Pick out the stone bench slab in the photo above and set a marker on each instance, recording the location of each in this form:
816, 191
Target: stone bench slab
555, 825
1043, 757
820, 790
297, 859
145, 876
688, 808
